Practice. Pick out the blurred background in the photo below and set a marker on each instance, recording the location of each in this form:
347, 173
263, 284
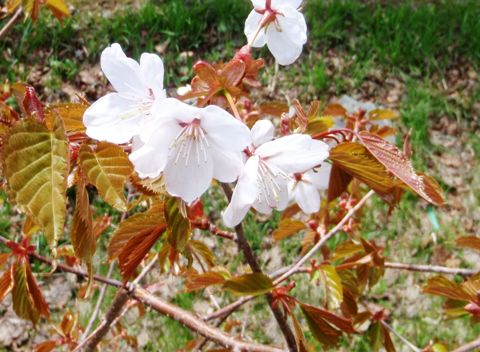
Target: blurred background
418, 57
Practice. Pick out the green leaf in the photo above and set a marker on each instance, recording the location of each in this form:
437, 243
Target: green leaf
179, 229
332, 285
249, 284
107, 168
35, 162
287, 227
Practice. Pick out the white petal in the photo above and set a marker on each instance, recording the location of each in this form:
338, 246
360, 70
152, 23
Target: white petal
147, 161
251, 26
227, 165
262, 132
114, 118
244, 194
276, 4
150, 158
286, 45
188, 177
258, 4
152, 71
319, 176
122, 72
294, 153
224, 130
307, 197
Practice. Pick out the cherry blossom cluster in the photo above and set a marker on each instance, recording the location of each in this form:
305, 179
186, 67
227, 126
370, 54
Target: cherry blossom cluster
189, 146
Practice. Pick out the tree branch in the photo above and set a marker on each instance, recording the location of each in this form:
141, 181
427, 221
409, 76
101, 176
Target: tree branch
184, 317
244, 246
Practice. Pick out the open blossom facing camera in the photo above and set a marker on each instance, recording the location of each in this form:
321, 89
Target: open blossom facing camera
190, 146
280, 25
119, 116
264, 182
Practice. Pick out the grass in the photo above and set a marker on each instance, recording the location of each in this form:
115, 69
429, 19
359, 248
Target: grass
417, 42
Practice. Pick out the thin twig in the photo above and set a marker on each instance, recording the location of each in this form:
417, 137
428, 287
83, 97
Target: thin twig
294, 267
471, 346
186, 318
5, 29
431, 269
244, 246
103, 290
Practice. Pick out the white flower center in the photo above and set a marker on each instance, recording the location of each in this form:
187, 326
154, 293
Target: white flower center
192, 139
144, 107
269, 186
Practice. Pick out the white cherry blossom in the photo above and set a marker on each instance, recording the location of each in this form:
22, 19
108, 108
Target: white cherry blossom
305, 187
283, 28
264, 181
118, 116
190, 146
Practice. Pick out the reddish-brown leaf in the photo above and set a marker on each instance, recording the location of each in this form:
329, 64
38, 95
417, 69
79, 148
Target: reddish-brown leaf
356, 160
69, 323
37, 296
335, 109
338, 183
46, 346
6, 283
70, 113
3, 258
322, 331
140, 223
287, 227
232, 73
398, 164
341, 323
136, 249
441, 286
83, 238
32, 104
206, 73
195, 281
28, 301
299, 337
472, 242
274, 108
387, 340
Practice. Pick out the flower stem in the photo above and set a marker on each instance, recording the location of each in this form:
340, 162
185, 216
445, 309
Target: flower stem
233, 106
